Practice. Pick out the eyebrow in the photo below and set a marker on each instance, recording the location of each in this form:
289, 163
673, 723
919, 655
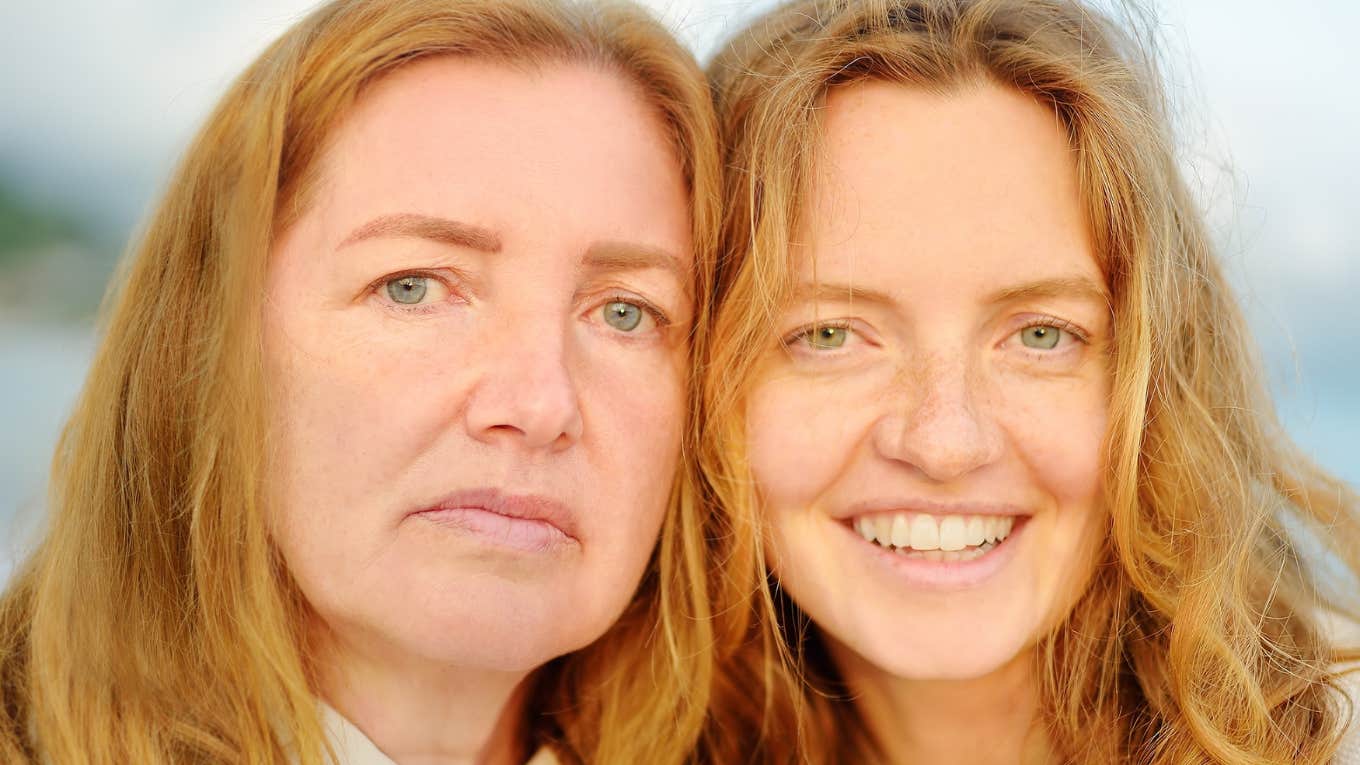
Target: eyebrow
440, 230
818, 291
612, 257
1079, 287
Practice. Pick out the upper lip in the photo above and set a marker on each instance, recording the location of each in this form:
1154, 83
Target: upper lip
933, 507
530, 507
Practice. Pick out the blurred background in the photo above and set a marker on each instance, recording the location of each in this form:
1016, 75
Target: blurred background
98, 99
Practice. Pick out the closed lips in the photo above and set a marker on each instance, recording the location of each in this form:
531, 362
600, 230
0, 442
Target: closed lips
945, 538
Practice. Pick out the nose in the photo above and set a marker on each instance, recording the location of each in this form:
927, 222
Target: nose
526, 393
939, 421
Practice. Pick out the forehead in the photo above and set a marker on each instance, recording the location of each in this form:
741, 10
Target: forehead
978, 179
571, 148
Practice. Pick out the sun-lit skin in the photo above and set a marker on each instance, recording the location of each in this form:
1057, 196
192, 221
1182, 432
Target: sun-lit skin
524, 205
941, 230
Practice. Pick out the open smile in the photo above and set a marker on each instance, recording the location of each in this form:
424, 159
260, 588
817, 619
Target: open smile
950, 538
931, 551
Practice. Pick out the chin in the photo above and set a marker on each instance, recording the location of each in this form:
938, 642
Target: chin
520, 644
963, 664
958, 652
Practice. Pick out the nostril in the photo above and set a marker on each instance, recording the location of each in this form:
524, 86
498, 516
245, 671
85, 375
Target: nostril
532, 417
942, 442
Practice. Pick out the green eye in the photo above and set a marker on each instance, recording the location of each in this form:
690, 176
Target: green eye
408, 290
622, 316
826, 337
1042, 337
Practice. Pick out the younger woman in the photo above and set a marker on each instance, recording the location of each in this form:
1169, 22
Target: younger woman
981, 390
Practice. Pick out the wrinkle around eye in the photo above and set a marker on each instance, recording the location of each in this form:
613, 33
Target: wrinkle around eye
439, 295
654, 326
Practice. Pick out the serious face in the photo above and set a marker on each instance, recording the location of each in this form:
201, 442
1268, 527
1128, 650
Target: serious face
476, 344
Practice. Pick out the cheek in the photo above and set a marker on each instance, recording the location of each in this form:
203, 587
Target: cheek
1061, 441
800, 436
633, 407
350, 413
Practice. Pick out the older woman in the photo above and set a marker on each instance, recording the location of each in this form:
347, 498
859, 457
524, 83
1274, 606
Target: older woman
985, 400
387, 416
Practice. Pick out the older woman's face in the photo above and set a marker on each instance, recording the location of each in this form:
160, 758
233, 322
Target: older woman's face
927, 438
476, 336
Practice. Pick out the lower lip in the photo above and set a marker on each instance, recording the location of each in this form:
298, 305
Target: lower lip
522, 534
923, 574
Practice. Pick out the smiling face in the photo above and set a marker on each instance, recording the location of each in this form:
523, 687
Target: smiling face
476, 344
927, 437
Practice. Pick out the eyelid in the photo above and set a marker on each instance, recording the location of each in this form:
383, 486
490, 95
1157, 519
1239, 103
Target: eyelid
375, 288
1045, 320
659, 316
617, 294
806, 328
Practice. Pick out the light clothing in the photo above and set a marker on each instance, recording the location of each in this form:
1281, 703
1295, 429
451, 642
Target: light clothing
1349, 753
1346, 633
352, 747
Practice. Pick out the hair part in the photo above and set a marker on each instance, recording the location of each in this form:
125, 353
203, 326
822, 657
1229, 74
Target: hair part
155, 622
1200, 635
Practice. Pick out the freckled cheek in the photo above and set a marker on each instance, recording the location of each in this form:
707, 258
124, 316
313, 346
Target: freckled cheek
799, 436
1058, 427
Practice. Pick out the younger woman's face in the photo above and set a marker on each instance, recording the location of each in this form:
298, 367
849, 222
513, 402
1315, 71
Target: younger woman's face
476, 335
927, 437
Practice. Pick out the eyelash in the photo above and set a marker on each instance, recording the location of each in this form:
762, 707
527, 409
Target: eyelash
791, 338
1053, 321
377, 287
662, 320
1079, 334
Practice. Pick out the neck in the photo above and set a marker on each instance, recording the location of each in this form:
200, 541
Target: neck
988, 720
419, 712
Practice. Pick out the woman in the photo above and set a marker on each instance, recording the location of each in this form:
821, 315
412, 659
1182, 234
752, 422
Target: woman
987, 401
386, 421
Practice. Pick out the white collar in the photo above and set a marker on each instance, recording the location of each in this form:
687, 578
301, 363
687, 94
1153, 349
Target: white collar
352, 747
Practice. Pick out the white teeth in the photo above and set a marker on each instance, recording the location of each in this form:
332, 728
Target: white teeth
976, 532
925, 532
883, 525
901, 531
952, 530
865, 526
962, 537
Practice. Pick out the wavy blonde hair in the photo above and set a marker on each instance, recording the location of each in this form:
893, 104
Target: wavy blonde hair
1201, 637
155, 622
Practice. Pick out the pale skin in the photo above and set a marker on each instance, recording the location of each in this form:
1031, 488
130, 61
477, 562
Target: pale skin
946, 355
486, 297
